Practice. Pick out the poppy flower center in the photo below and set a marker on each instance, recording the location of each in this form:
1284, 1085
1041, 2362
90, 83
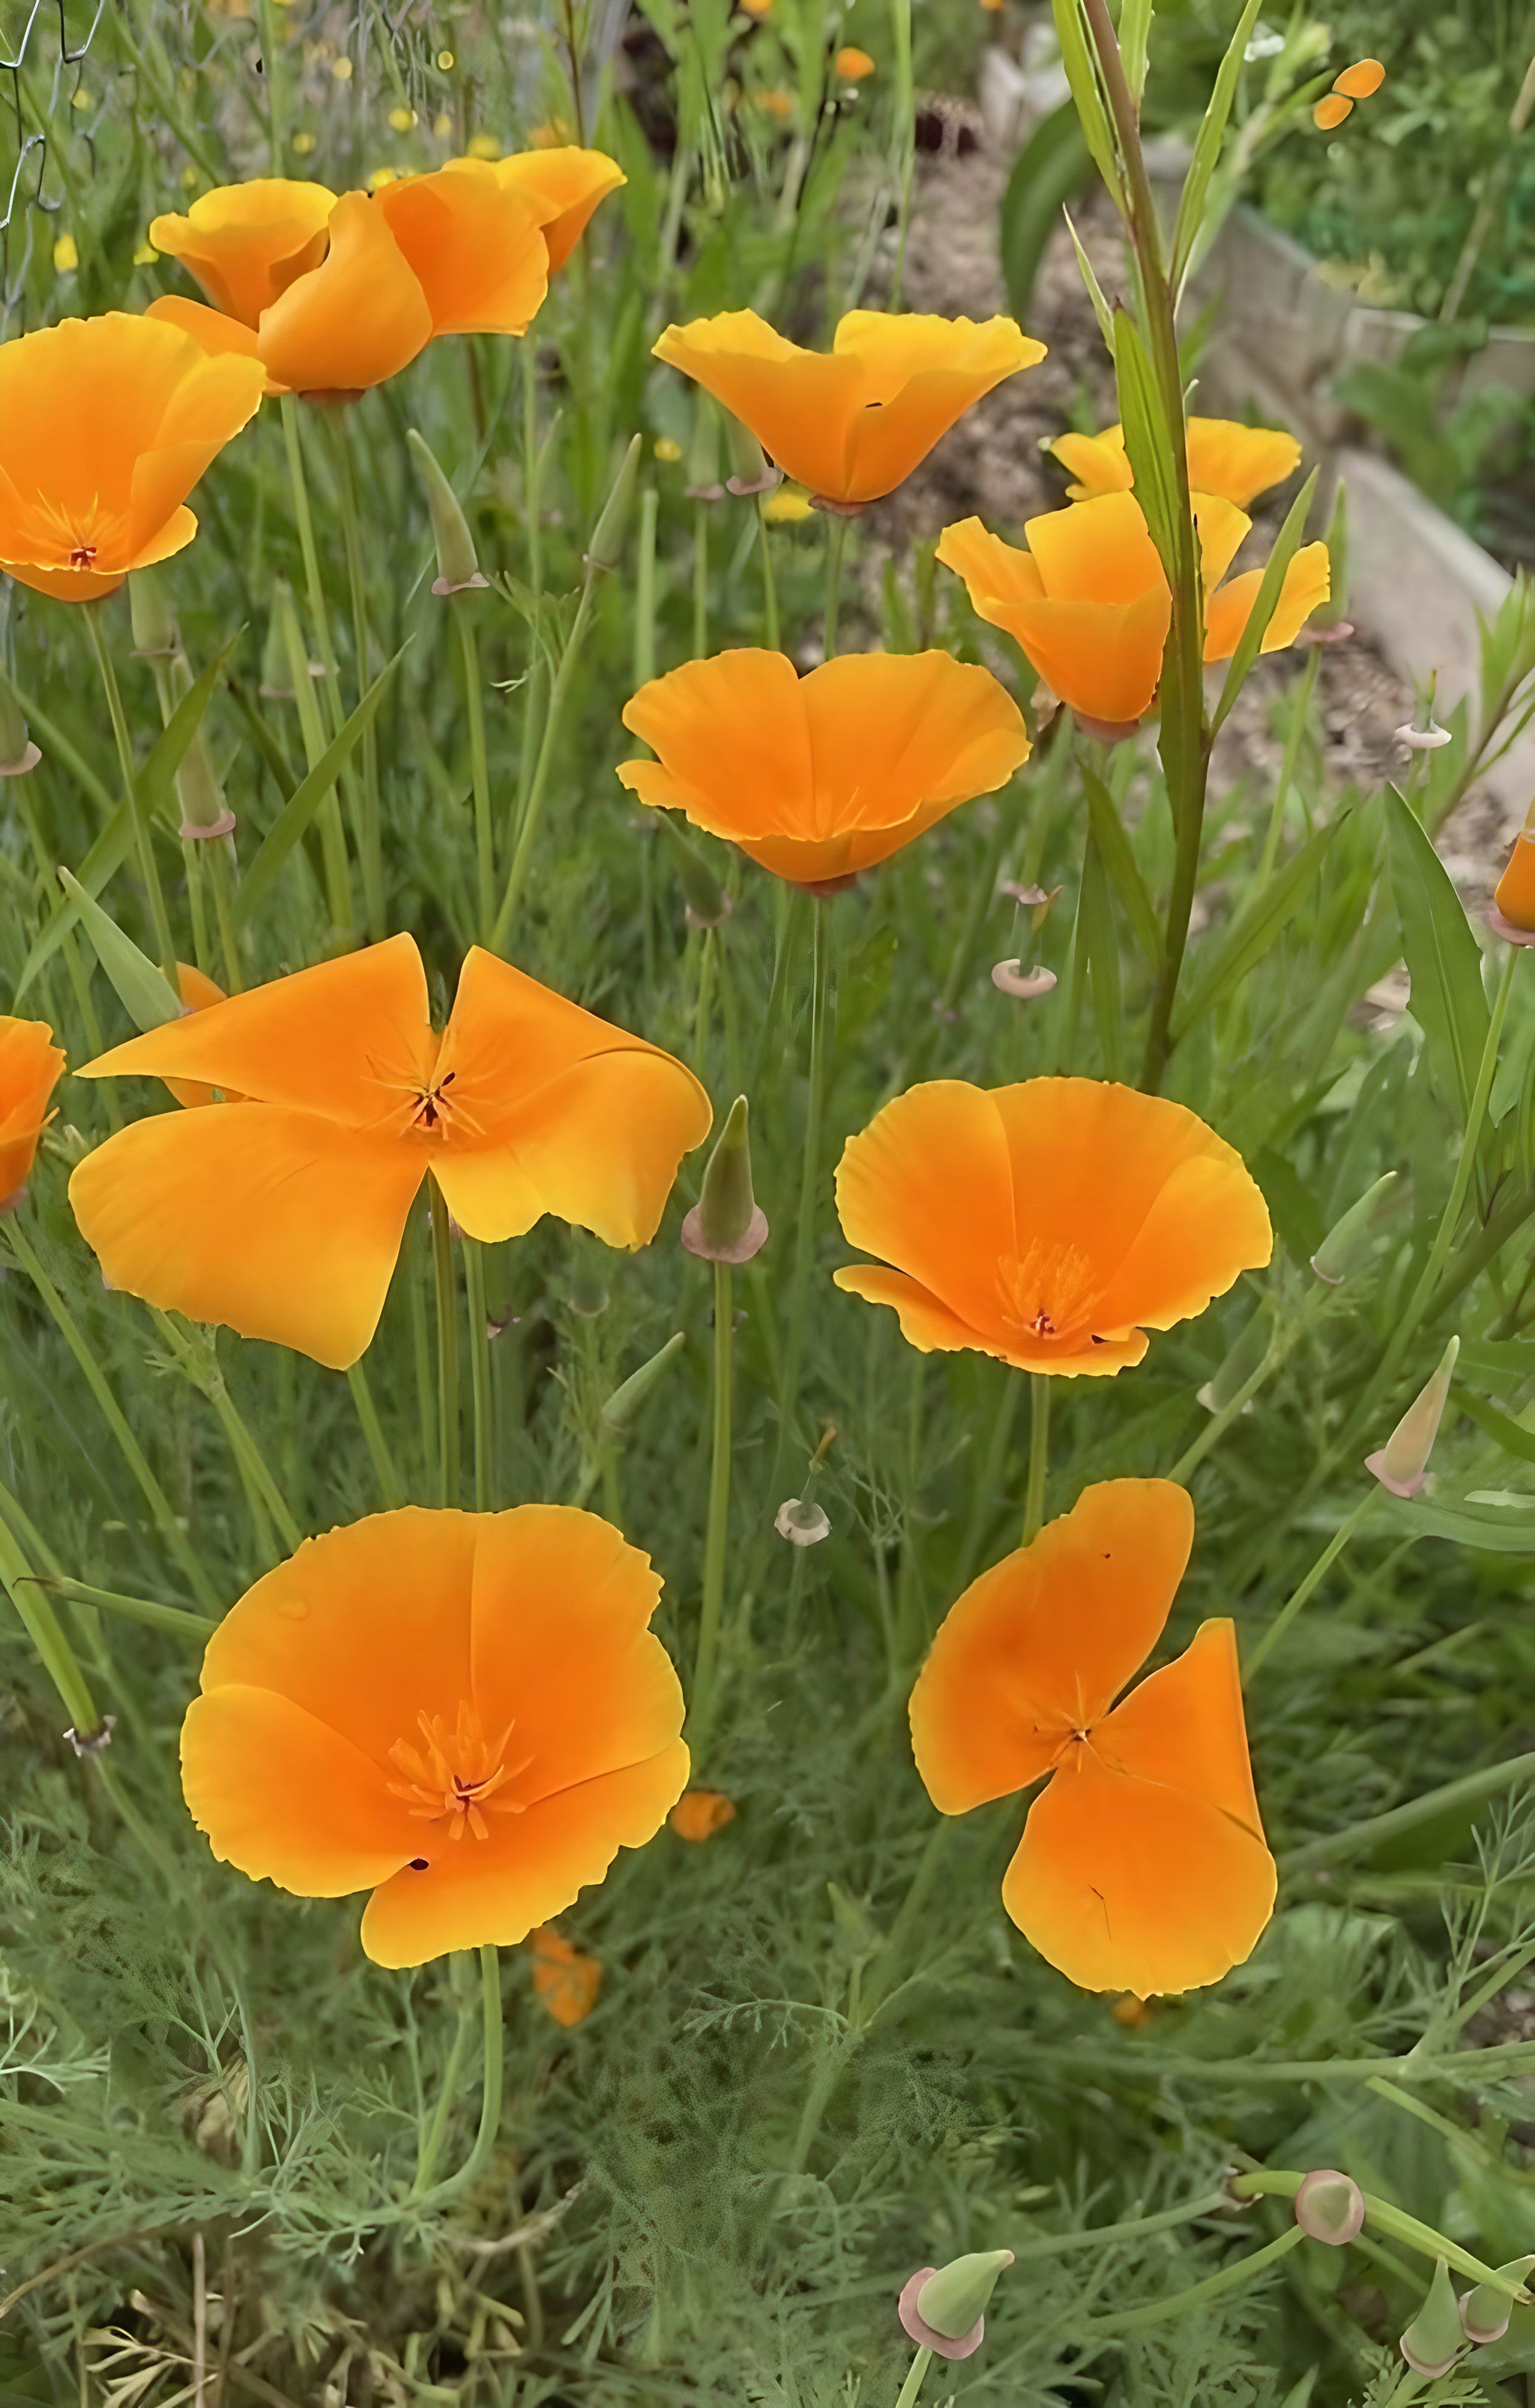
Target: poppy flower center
82, 555
1049, 1292
456, 1774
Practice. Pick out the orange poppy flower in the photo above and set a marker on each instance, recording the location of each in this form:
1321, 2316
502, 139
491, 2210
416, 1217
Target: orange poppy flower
1331, 111
700, 1813
1088, 601
850, 424
852, 65
1050, 1225
1362, 80
564, 1982
565, 186
105, 425
31, 1066
1234, 461
1514, 898
819, 777
246, 243
467, 1713
281, 1214
1142, 1865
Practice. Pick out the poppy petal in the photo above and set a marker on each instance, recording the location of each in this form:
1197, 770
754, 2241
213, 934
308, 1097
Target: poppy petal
354, 321
1307, 583
892, 732
892, 439
1362, 80
473, 245
1205, 1226
1103, 660
1096, 552
926, 1323
1040, 1646
273, 1223
1239, 462
1184, 1726
210, 330
246, 243
896, 1188
1099, 463
284, 1798
531, 1868
733, 741
565, 185
800, 404
1223, 529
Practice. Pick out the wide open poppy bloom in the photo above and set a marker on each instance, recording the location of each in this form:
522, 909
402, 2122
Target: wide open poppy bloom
467, 1713
1088, 602
853, 422
1050, 1225
282, 1214
816, 778
1142, 1865
105, 425
31, 1066
1235, 461
566, 186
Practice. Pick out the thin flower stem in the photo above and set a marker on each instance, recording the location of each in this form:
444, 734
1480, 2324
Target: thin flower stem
837, 536
154, 1496
484, 836
1039, 1454
1059, 2244
807, 1229
304, 521
700, 579
644, 587
1312, 1581
717, 1531
912, 2385
1358, 1839
148, 868
988, 1479
178, 1619
1299, 717
490, 2106
369, 842
1174, 2303
446, 1305
769, 584
523, 850
1278, 2181
42, 1626
479, 1375
436, 2130
388, 1477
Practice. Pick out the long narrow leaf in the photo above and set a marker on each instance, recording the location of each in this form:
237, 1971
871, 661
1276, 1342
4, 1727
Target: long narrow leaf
155, 782
1443, 960
102, 863
1266, 601
1147, 440
1254, 931
1208, 142
1082, 75
145, 993
1511, 1436
1135, 24
305, 799
1119, 861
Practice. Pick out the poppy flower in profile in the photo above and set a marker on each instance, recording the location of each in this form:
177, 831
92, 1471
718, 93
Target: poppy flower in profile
816, 778
1513, 912
851, 423
279, 1211
105, 425
1088, 603
1142, 1865
1234, 461
246, 243
1050, 1225
566, 185
565, 1981
31, 1066
466, 1713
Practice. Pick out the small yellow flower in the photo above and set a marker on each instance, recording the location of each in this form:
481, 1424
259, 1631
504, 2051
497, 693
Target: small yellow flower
341, 69
853, 65
483, 146
66, 256
189, 180
401, 120
302, 144
445, 60
146, 255
442, 125
667, 451
786, 507
81, 99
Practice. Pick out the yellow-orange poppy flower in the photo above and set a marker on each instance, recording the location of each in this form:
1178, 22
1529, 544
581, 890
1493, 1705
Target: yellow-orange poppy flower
700, 1813
566, 185
1088, 602
819, 777
1234, 461
1331, 111
853, 422
467, 1713
105, 425
853, 65
475, 246
246, 243
31, 1066
1362, 80
565, 1981
1142, 1865
1050, 1225
281, 1214
1514, 898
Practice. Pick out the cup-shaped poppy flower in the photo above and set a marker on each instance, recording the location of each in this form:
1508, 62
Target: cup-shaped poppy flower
1142, 1865
1513, 897
566, 185
818, 777
466, 1713
475, 246
246, 243
31, 1066
1235, 461
1088, 602
851, 423
281, 1214
105, 425
1050, 1225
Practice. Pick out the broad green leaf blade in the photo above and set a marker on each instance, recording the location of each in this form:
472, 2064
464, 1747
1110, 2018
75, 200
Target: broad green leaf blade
1443, 959
1148, 441
1209, 143
1053, 168
1265, 602
145, 993
1503, 1529
1121, 866
1254, 931
1496, 1363
305, 799
1511, 1436
1081, 74
104, 858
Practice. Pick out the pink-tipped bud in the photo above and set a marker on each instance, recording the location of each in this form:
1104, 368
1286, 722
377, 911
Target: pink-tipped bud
1402, 1464
1330, 2207
1485, 2314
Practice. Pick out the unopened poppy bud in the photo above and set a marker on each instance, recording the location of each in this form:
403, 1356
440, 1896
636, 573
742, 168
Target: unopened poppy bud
944, 2308
150, 614
727, 1224
1250, 1345
802, 1522
18, 753
1485, 2314
606, 548
627, 1397
1435, 2339
1402, 1464
277, 684
1346, 1248
1330, 2207
751, 470
457, 567
703, 455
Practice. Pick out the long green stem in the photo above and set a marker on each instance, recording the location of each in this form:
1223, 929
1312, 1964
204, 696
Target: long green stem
474, 702
1176, 2303
370, 837
1039, 1452
769, 583
304, 521
807, 1230
1277, 2182
436, 2130
837, 536
912, 2385
480, 1376
42, 1626
717, 1532
377, 1445
1358, 1839
178, 1619
523, 850
700, 579
447, 1307
143, 837
1312, 1581
489, 2105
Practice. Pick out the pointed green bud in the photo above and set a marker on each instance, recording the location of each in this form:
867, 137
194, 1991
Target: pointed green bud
1346, 1248
18, 752
627, 1398
457, 567
727, 1224
751, 470
606, 548
1485, 2314
1434, 2339
204, 807
151, 615
705, 901
277, 684
703, 456
1248, 1349
1330, 2207
1402, 1464
955, 2300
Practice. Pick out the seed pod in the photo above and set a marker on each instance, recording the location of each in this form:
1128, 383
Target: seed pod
1330, 2207
627, 1397
727, 1224
1486, 2314
606, 548
1345, 1249
457, 567
1435, 2339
